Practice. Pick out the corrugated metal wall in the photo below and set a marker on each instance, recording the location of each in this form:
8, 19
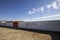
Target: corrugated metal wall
22, 25
10, 24
41, 25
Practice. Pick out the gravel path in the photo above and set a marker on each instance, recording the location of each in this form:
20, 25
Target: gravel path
13, 34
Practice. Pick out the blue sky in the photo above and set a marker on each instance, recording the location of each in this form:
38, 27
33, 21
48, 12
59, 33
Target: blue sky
28, 10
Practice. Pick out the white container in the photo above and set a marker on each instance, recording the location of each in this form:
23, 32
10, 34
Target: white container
10, 24
21, 24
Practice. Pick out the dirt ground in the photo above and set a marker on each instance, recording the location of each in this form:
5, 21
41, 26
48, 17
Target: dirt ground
13, 34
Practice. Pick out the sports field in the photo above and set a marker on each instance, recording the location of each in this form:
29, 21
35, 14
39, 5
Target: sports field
14, 34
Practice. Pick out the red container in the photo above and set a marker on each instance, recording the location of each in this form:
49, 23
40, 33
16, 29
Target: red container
15, 24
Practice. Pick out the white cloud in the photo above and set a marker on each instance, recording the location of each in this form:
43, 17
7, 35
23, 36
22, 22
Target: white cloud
31, 12
48, 6
51, 17
42, 9
46, 18
55, 15
54, 5
59, 4
57, 0
35, 10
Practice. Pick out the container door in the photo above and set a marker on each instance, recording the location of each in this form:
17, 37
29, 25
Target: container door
15, 24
